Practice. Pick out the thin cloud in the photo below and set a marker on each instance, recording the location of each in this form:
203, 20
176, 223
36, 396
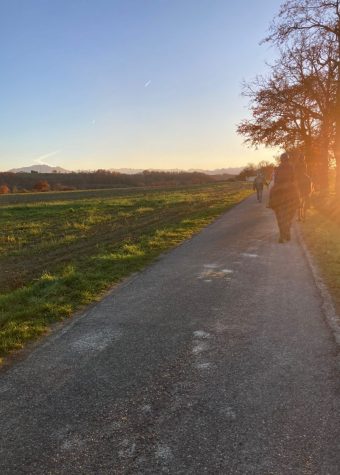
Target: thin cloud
42, 160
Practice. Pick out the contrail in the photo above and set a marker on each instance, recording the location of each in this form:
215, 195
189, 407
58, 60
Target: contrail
147, 84
41, 159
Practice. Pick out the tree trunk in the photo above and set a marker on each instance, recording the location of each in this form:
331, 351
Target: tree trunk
324, 156
337, 124
323, 169
337, 142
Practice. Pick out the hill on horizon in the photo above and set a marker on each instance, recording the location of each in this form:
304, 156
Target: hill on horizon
217, 171
39, 169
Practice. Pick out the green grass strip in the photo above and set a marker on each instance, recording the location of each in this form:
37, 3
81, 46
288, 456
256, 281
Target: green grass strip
112, 237
322, 235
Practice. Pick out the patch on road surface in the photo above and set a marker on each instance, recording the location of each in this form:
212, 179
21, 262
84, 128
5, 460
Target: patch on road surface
163, 453
96, 341
210, 273
199, 347
204, 366
228, 413
147, 410
128, 449
201, 334
73, 443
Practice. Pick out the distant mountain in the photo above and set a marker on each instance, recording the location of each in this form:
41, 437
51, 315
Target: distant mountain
128, 171
218, 171
39, 169
134, 171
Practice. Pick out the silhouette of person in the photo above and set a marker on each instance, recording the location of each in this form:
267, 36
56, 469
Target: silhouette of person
258, 185
284, 197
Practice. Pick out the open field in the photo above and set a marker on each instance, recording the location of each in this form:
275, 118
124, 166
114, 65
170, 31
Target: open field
61, 251
25, 198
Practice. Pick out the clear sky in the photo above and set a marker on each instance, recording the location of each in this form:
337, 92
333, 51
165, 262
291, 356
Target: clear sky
89, 84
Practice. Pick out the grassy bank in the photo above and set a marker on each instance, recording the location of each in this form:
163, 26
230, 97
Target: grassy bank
62, 253
321, 232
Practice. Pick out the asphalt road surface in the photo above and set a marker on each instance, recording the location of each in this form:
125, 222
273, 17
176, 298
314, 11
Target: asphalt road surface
214, 360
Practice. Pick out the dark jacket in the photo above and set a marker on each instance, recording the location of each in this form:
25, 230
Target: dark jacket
284, 193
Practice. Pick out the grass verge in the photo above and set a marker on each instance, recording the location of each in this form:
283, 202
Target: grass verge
321, 232
59, 255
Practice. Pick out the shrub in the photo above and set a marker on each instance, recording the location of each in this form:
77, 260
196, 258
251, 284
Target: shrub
4, 189
41, 185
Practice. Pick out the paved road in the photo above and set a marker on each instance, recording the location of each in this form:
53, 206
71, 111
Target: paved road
215, 360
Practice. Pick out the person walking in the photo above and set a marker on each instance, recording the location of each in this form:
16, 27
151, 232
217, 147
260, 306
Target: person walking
284, 197
258, 185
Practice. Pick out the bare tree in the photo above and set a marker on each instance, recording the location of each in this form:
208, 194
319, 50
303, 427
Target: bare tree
293, 107
315, 19
312, 69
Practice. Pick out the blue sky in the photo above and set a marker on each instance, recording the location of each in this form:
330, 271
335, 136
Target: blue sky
89, 84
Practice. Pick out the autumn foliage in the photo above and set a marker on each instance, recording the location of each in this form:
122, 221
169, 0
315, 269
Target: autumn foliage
4, 189
42, 185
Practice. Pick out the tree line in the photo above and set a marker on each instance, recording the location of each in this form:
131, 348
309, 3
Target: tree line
21, 182
296, 105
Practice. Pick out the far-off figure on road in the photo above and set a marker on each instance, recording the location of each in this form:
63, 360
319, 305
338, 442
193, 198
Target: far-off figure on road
258, 185
284, 197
